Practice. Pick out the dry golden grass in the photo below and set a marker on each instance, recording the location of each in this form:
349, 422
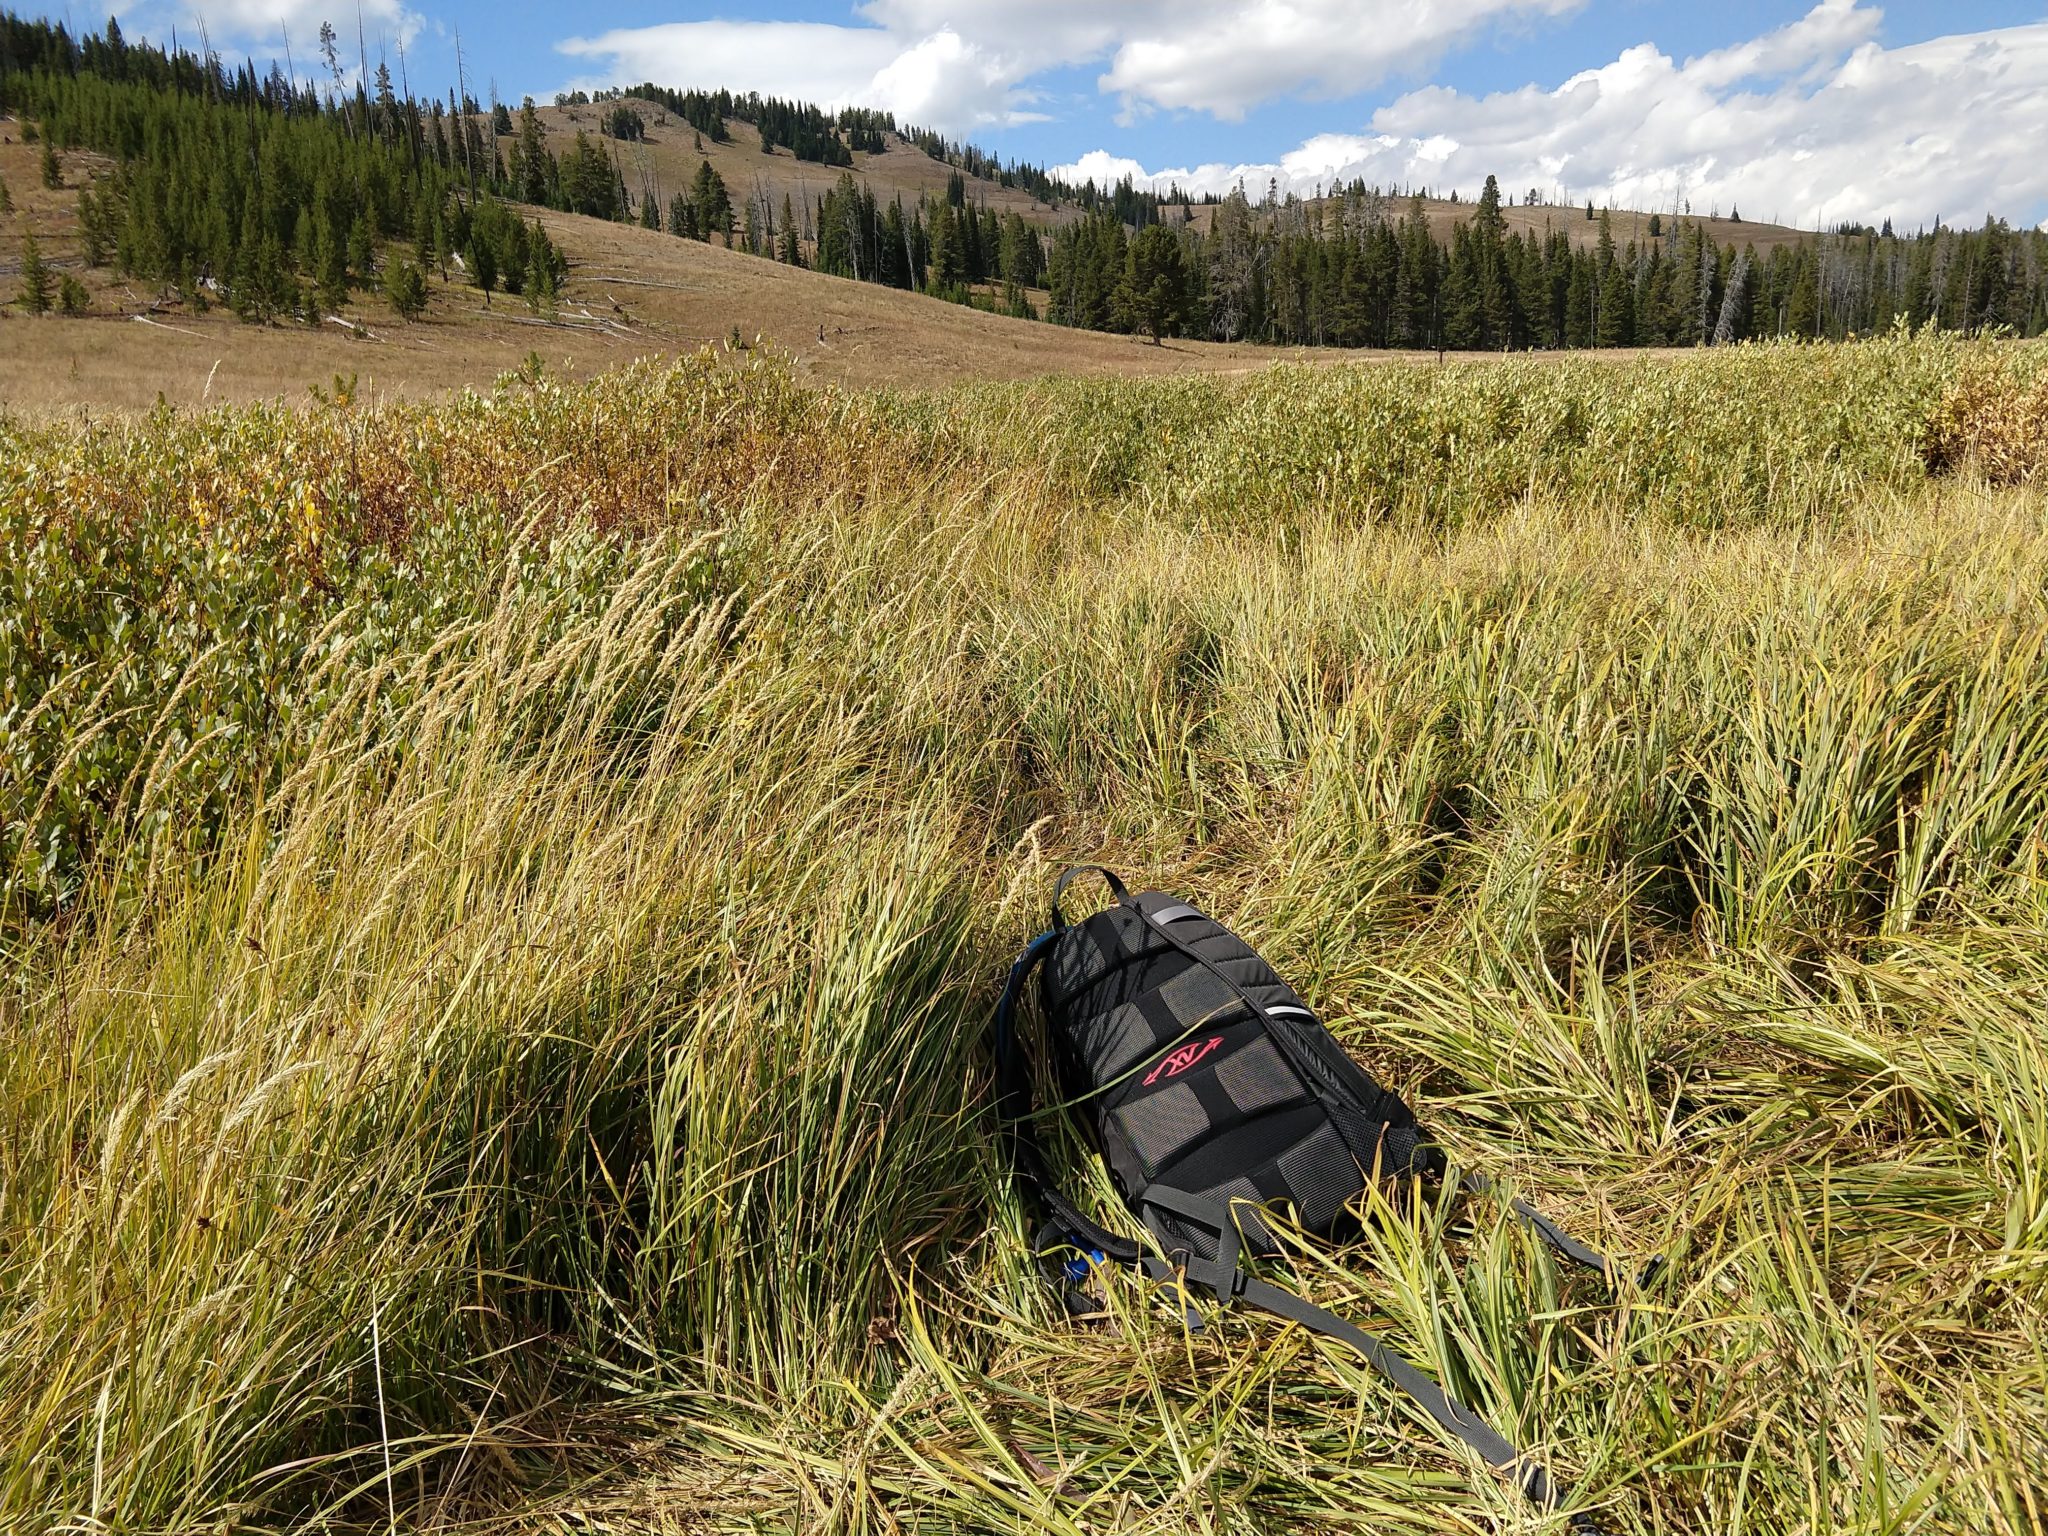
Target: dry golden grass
569, 1066
1995, 422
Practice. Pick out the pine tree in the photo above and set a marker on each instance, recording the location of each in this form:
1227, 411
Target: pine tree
1493, 295
1155, 292
1616, 325
483, 265
406, 290
361, 253
1710, 284
1415, 285
531, 155
1802, 309
34, 295
53, 173
792, 252
257, 281
1578, 301
540, 276
713, 203
1463, 325
6, 198
92, 231
949, 260
330, 270
1020, 258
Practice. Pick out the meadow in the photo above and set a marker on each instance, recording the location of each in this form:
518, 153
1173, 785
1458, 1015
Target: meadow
501, 899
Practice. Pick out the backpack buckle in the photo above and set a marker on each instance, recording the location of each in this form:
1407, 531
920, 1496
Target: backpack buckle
1224, 1274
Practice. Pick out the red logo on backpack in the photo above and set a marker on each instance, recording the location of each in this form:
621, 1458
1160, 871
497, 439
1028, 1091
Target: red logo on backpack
1176, 1062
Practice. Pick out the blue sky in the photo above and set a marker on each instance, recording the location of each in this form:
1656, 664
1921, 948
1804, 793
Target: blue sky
1841, 109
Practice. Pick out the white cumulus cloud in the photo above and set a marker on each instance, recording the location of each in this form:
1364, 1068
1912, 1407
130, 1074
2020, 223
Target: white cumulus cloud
1225, 58
959, 64
942, 79
260, 28
1812, 121
813, 61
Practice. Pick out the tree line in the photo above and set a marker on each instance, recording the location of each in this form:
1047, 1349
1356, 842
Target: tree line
1350, 271
941, 245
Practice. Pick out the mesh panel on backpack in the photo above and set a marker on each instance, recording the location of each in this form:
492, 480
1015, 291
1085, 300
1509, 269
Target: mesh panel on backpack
1256, 1078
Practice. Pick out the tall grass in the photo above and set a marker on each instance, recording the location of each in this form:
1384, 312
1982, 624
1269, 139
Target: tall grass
506, 1004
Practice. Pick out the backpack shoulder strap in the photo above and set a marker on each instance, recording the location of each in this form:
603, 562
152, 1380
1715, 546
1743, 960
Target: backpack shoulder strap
1226, 1276
1013, 1107
1492, 1447
1561, 1241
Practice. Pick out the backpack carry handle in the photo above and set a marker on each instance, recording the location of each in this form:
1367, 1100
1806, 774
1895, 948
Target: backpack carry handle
1116, 888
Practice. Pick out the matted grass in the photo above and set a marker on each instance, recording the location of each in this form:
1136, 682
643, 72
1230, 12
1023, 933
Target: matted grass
504, 1045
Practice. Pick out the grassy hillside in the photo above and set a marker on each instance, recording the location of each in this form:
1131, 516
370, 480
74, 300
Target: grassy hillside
630, 294
503, 899
672, 151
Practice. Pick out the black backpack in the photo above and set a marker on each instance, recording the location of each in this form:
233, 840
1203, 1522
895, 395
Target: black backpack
1215, 1094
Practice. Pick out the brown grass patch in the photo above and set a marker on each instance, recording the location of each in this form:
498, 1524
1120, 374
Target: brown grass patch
1994, 421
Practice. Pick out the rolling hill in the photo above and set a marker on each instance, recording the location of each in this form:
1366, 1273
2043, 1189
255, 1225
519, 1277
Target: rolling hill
630, 293
672, 150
